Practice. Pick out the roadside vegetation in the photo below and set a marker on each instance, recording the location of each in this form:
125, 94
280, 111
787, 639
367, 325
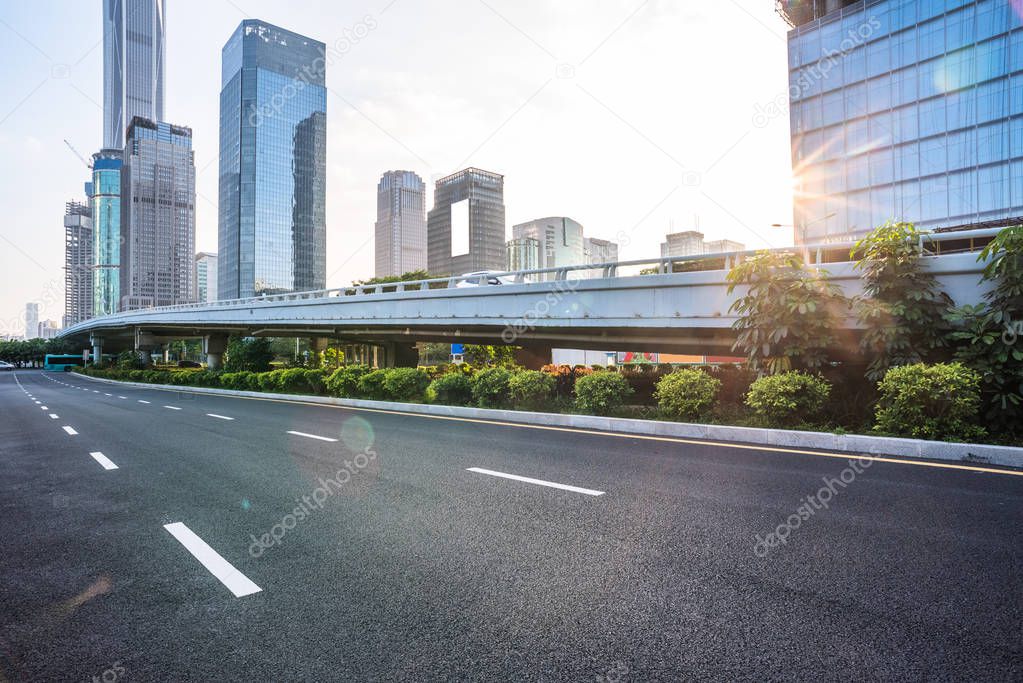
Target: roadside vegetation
923, 368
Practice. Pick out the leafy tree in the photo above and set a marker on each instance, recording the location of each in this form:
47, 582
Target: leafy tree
788, 316
481, 355
989, 337
901, 308
404, 277
249, 353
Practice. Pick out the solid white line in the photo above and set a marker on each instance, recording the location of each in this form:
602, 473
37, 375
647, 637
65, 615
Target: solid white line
220, 417
312, 436
539, 482
107, 463
141, 401
54, 416
69, 430
172, 408
223, 570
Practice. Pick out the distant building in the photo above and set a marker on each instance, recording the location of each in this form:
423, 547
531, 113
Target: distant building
105, 206
272, 229
691, 243
600, 251
48, 329
465, 229
158, 216
31, 320
523, 253
400, 231
561, 240
206, 277
78, 260
133, 65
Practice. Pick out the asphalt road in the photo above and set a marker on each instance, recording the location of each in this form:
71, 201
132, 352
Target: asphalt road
155, 535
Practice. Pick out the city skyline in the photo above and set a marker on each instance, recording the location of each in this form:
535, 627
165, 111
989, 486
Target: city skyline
501, 123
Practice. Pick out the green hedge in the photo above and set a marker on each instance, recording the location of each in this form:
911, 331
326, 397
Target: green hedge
940, 401
602, 393
687, 394
530, 389
788, 398
490, 387
453, 389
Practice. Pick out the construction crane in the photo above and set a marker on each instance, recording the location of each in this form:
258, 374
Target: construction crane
88, 164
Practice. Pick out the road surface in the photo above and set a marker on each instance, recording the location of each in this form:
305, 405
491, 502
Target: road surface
157, 535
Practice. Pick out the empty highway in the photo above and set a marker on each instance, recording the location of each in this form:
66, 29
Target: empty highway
159, 535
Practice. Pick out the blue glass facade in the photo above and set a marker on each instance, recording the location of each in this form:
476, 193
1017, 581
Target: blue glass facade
908, 110
272, 222
105, 204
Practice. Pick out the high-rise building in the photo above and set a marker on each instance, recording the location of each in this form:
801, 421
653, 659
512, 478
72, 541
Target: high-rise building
78, 260
105, 206
31, 320
524, 253
465, 229
691, 243
561, 240
48, 329
272, 215
400, 237
600, 251
904, 110
206, 276
133, 65
158, 216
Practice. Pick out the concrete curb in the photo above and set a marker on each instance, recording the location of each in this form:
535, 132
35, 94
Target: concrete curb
854, 444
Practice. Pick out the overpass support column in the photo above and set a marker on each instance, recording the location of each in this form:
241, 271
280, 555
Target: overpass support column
398, 355
214, 345
97, 348
144, 345
533, 357
166, 353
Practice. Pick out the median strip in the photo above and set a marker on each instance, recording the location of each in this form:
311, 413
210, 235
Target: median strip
103, 460
538, 482
223, 570
312, 436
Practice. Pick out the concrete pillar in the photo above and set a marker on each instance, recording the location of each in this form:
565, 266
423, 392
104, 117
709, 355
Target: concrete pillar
97, 348
166, 353
533, 357
214, 345
399, 355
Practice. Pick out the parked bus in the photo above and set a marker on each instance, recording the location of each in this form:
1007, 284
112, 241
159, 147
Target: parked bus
61, 362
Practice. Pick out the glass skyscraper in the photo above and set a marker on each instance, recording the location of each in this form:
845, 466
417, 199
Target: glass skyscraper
904, 109
158, 216
133, 65
465, 228
105, 205
272, 214
78, 263
400, 230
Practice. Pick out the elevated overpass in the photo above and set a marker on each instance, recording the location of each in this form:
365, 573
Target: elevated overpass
682, 307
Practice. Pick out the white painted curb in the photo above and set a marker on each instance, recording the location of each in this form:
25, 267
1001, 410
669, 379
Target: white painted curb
854, 444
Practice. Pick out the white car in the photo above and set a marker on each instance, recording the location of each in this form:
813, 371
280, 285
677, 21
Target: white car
493, 277
5, 366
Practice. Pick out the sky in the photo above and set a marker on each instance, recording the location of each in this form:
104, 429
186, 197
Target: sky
633, 117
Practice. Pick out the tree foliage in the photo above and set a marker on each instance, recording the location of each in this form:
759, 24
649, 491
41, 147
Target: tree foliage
788, 317
901, 308
248, 353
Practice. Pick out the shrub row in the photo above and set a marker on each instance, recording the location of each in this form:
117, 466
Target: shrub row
940, 401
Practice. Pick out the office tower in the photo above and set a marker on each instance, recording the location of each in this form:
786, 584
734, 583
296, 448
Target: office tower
685, 243
78, 261
904, 110
561, 240
400, 237
273, 125
465, 229
105, 206
523, 253
48, 329
206, 276
133, 65
31, 320
600, 251
158, 216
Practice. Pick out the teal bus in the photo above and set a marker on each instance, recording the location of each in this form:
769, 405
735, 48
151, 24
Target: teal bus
62, 362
